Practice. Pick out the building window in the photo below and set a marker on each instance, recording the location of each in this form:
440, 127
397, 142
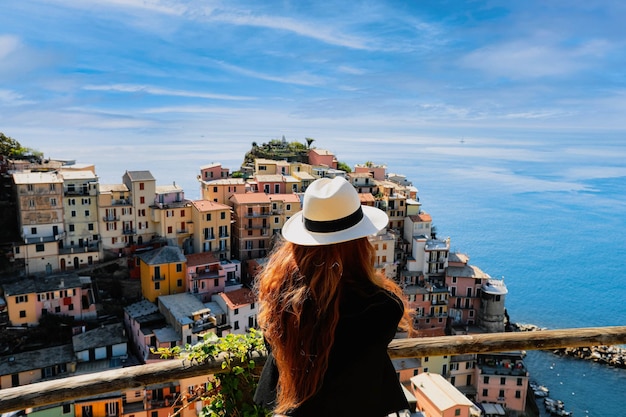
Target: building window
236, 311
53, 201
208, 217
71, 226
485, 392
502, 381
518, 394
179, 283
157, 285
519, 382
236, 325
86, 213
141, 186
22, 314
223, 215
33, 230
179, 267
73, 213
501, 394
31, 203
142, 200
216, 282
40, 247
486, 380
457, 411
251, 305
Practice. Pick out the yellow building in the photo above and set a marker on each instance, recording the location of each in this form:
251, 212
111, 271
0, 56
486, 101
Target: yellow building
114, 209
162, 272
212, 232
283, 206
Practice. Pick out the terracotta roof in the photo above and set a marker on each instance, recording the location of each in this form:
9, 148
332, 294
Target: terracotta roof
239, 298
250, 198
422, 217
366, 198
202, 258
206, 205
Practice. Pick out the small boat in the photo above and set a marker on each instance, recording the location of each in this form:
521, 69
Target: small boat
539, 390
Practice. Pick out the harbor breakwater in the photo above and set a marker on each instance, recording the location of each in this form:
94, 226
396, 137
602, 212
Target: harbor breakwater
607, 355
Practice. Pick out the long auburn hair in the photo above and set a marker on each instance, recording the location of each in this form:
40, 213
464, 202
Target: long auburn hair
299, 293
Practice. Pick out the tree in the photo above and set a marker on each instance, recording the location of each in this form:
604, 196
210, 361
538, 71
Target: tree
309, 141
344, 167
12, 148
9, 146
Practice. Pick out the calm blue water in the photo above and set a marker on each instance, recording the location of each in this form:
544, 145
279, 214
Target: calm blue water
560, 249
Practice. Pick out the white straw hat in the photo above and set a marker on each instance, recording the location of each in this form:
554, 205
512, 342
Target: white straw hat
332, 213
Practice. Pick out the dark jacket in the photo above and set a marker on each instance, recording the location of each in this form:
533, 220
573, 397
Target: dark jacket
360, 380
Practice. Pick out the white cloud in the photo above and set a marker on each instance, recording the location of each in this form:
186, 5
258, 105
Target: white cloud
8, 44
134, 88
534, 58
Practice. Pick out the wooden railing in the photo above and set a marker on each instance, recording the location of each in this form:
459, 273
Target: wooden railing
137, 377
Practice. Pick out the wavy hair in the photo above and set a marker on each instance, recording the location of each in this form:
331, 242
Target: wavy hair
299, 292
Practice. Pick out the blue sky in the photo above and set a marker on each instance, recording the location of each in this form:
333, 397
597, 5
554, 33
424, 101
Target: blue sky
133, 82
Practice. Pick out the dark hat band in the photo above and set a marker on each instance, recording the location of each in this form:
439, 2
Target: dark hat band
330, 226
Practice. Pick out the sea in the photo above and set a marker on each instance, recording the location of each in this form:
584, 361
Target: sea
546, 212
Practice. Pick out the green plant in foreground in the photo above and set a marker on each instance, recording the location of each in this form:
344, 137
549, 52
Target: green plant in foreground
230, 392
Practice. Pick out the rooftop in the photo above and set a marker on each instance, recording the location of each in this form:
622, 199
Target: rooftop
183, 307
45, 284
205, 205
36, 178
163, 255
112, 334
202, 258
36, 359
238, 298
140, 176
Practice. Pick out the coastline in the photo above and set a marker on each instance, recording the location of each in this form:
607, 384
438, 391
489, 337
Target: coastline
614, 356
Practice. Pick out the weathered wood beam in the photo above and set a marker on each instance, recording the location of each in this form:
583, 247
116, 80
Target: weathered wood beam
137, 377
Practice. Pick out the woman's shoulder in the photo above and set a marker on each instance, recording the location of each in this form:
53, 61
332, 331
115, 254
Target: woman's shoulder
370, 297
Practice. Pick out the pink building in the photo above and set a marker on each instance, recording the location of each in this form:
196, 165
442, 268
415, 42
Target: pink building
379, 172
322, 157
271, 184
464, 281
205, 275
502, 378
213, 171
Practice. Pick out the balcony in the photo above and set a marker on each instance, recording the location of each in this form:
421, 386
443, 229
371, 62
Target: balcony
257, 215
158, 277
128, 231
43, 239
122, 202
110, 218
92, 247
